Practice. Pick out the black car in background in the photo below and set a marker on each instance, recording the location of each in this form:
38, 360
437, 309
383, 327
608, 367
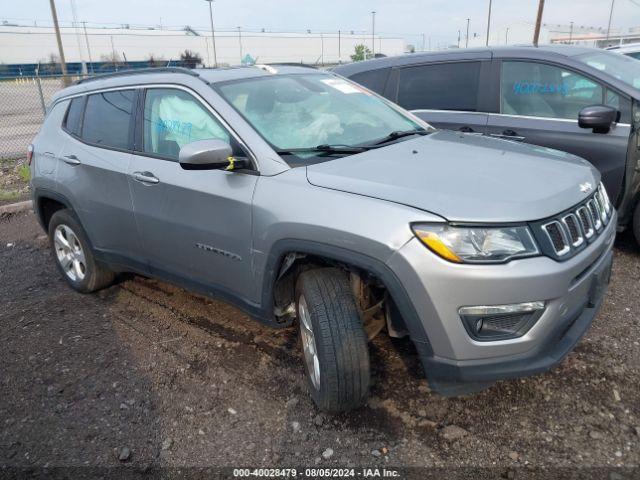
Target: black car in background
580, 100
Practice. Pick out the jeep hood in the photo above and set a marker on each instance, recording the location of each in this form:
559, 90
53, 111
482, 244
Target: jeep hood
464, 178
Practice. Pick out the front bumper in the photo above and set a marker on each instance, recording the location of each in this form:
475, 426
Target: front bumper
456, 364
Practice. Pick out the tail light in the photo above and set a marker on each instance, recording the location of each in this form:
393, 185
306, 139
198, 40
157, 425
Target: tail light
29, 154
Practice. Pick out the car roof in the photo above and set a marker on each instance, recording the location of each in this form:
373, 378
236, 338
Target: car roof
541, 52
132, 77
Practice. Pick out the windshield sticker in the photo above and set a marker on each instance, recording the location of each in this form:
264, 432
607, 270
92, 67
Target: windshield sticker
342, 86
528, 88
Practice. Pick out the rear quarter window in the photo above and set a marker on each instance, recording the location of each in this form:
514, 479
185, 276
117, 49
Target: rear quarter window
74, 116
374, 80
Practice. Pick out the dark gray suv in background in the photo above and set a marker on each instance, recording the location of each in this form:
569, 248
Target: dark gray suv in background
579, 100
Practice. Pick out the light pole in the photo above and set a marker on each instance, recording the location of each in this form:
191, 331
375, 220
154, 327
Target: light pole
467, 41
63, 63
86, 39
488, 23
610, 16
506, 37
373, 34
570, 32
536, 32
240, 42
213, 34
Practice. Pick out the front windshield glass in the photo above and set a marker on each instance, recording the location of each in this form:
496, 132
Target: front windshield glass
622, 67
310, 110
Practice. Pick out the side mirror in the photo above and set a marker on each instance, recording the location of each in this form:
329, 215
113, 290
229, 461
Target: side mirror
208, 155
598, 117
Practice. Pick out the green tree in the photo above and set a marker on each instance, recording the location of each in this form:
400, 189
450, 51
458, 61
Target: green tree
361, 53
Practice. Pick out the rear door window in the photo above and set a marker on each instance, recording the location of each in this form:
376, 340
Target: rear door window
374, 80
441, 86
541, 90
108, 119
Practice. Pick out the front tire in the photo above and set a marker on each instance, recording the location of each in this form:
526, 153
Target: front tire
333, 340
73, 254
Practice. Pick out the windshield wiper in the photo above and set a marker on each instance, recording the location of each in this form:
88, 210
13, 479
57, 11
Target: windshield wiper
399, 134
329, 149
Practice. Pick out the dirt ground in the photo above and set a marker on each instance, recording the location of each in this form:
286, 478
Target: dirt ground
154, 380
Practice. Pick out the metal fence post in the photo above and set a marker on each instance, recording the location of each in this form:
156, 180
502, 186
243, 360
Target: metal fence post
42, 104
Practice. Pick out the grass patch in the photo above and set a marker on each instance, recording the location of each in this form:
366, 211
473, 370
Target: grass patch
24, 172
8, 195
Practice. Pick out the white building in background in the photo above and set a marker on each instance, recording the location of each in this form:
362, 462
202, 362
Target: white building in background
521, 33
21, 44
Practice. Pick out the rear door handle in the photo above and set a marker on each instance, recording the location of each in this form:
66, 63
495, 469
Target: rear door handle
509, 135
145, 177
71, 160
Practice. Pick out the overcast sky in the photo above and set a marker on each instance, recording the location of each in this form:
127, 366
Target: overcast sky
438, 19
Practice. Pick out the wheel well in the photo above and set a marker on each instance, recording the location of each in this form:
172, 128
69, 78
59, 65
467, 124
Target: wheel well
371, 294
46, 208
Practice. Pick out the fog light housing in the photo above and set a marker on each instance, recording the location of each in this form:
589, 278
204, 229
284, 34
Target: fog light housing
488, 323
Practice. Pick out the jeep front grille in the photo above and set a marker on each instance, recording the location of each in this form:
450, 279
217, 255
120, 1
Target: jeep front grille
572, 230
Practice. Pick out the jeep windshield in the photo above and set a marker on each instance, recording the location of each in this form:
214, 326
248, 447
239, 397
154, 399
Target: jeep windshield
309, 118
622, 67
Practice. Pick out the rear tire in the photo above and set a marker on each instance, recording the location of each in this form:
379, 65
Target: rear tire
73, 254
334, 342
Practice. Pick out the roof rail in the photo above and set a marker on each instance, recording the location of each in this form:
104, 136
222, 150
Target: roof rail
291, 64
136, 71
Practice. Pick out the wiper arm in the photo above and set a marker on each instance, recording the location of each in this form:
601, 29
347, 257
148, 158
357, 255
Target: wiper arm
330, 149
399, 134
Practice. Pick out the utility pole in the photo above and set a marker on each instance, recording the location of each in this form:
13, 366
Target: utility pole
86, 39
467, 42
610, 16
240, 42
339, 47
506, 37
373, 34
213, 34
458, 38
488, 23
536, 33
63, 63
424, 43
570, 32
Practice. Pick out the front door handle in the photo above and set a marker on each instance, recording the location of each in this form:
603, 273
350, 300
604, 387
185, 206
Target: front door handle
71, 160
508, 134
145, 177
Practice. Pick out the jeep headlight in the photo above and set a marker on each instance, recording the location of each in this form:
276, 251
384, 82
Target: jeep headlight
477, 244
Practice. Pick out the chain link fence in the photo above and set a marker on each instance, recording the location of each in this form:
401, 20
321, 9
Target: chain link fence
22, 107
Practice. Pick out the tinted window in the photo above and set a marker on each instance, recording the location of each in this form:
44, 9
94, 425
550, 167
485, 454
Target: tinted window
540, 90
374, 80
444, 86
174, 118
74, 115
107, 118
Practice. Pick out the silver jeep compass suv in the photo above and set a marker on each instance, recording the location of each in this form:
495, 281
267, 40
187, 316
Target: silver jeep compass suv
301, 197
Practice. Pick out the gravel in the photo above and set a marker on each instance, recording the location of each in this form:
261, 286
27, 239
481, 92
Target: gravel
183, 364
